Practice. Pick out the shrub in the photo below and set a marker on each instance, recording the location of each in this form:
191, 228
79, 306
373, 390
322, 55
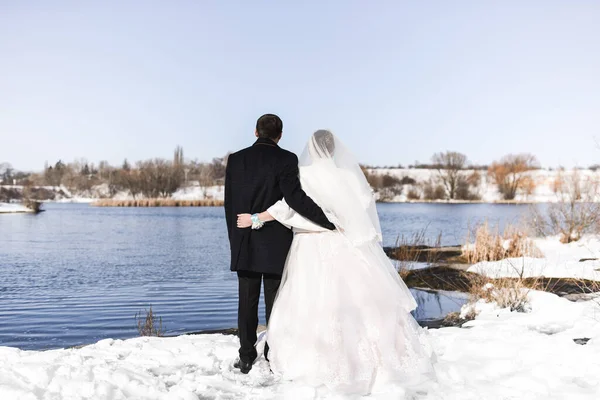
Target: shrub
467, 187
509, 174
413, 194
574, 214
505, 292
149, 325
407, 180
33, 205
434, 191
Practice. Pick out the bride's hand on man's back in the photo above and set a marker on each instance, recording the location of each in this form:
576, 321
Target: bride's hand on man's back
244, 221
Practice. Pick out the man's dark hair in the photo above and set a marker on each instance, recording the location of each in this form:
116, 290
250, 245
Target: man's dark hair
269, 126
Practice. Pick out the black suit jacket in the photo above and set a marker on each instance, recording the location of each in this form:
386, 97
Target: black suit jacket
256, 178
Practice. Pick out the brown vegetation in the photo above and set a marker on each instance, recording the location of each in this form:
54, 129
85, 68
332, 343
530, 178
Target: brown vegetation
149, 325
434, 191
574, 214
450, 165
491, 245
154, 178
33, 205
158, 203
505, 292
409, 251
509, 174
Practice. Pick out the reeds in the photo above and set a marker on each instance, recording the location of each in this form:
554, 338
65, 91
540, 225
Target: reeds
489, 245
505, 292
149, 324
409, 251
158, 203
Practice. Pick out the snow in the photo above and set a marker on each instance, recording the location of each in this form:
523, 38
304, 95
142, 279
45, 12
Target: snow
544, 180
500, 355
560, 261
11, 208
199, 193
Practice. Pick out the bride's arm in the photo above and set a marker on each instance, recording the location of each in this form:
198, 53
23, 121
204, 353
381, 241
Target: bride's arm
284, 214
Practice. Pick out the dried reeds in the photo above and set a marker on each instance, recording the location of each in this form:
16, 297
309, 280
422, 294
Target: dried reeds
505, 292
158, 203
491, 245
409, 251
149, 325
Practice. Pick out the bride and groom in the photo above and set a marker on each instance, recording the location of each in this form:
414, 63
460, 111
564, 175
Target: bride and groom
337, 312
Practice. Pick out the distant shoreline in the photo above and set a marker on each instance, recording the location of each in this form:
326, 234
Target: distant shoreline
158, 203
220, 203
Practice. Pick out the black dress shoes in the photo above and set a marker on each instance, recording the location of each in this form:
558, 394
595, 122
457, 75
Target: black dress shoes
243, 366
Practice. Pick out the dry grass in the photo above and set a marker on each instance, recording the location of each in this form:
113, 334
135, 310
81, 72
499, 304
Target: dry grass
158, 203
513, 292
491, 245
410, 248
149, 325
505, 292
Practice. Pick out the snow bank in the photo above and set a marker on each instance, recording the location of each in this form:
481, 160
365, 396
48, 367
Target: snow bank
10, 208
560, 261
509, 355
502, 355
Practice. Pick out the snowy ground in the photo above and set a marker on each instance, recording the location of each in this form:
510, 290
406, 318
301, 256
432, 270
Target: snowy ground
560, 260
501, 355
12, 208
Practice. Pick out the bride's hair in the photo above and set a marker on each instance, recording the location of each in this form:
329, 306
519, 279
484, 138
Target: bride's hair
325, 140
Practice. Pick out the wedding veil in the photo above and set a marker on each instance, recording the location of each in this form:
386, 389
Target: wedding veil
332, 177
336, 182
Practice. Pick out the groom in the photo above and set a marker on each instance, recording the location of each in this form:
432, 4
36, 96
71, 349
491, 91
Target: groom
256, 178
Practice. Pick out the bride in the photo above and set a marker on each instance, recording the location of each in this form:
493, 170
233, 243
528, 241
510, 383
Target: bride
342, 314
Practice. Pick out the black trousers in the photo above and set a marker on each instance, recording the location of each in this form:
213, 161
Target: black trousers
249, 294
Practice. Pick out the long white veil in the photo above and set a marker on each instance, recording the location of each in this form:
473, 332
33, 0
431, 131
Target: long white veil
332, 177
339, 186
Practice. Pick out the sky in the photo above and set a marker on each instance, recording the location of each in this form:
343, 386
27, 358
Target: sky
397, 81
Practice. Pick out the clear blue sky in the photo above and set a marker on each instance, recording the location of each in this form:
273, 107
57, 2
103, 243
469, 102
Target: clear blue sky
397, 80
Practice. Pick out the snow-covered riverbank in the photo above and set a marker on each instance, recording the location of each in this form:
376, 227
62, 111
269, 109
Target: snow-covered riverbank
502, 355
579, 260
543, 190
12, 208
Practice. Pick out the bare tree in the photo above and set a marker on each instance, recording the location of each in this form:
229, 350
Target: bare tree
218, 168
450, 165
53, 175
178, 159
576, 212
6, 173
509, 174
129, 179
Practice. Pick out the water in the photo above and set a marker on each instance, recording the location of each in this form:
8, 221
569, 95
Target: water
77, 274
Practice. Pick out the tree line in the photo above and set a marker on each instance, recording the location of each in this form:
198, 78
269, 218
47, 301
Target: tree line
458, 179
152, 178
455, 178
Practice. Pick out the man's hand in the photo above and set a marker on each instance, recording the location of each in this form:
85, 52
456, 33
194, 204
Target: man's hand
244, 221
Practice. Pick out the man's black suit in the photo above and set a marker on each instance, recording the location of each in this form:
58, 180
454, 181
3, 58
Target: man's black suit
256, 178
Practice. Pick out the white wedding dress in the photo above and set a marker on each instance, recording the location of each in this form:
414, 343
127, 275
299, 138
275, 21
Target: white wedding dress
342, 314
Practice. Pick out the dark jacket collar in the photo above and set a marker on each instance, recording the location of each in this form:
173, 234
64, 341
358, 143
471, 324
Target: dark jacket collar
266, 142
